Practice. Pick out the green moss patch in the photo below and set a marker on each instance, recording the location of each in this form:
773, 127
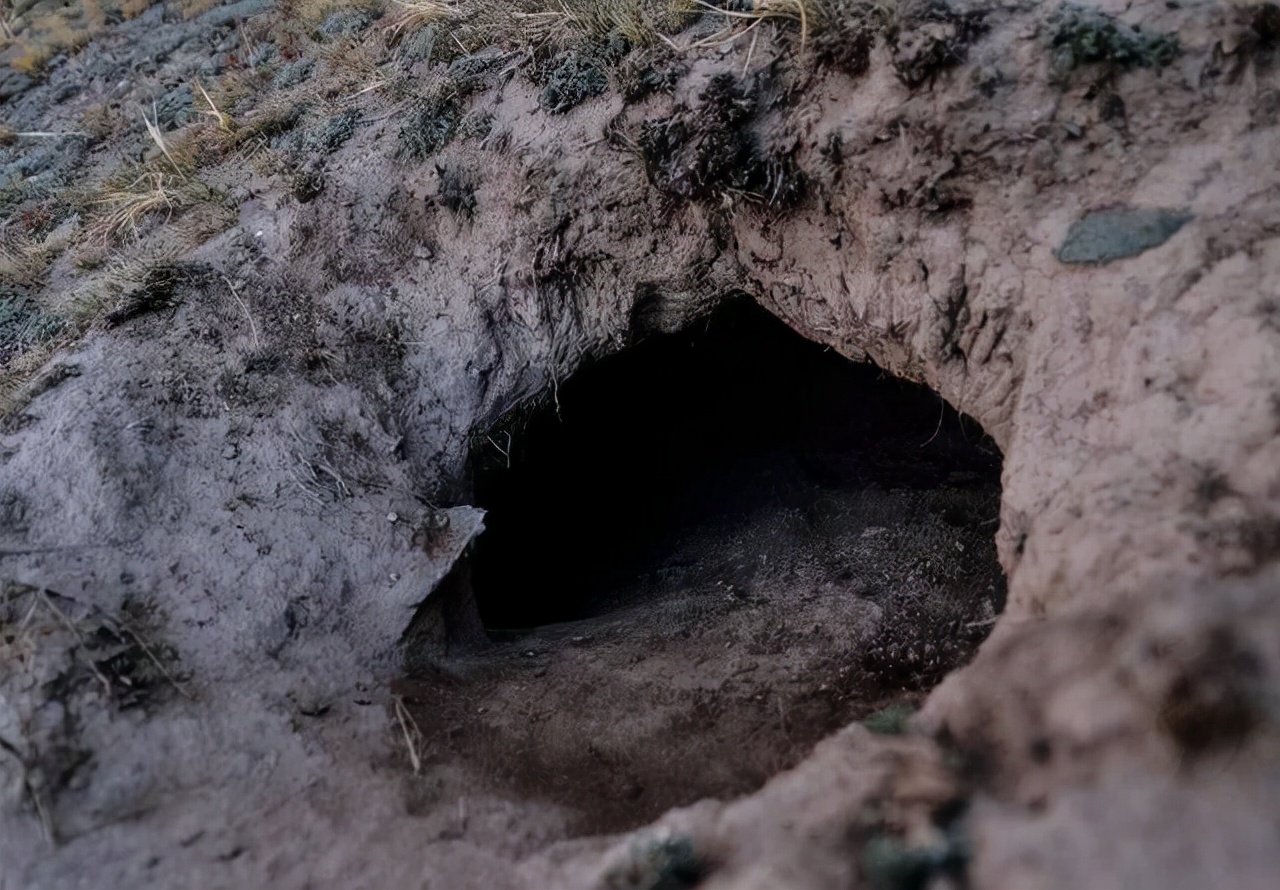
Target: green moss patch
1086, 36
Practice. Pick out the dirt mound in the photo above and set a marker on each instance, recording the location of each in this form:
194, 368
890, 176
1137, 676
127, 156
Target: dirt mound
271, 277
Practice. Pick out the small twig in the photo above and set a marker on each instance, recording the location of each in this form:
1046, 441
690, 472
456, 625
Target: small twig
373, 86
942, 413
43, 596
396, 111
156, 661
672, 44
250, 50
410, 737
26, 619
153, 130
225, 123
47, 134
309, 487
751, 51
506, 453
253, 328
46, 819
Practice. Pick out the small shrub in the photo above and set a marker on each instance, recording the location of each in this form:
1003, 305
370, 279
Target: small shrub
476, 124
709, 152
411, 16
333, 18
1265, 22
133, 197
24, 324
1215, 701
662, 862
1088, 36
293, 74
40, 37
648, 71
930, 36
574, 78
457, 191
419, 46
344, 23
891, 720
890, 864
848, 33
429, 127
306, 185
330, 135
555, 25
153, 293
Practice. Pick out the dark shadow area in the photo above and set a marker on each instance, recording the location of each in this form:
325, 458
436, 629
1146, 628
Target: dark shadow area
703, 555
703, 428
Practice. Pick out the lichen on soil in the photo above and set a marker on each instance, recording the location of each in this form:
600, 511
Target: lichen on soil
639, 443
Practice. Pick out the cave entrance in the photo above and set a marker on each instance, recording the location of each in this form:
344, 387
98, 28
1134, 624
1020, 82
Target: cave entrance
702, 555
683, 455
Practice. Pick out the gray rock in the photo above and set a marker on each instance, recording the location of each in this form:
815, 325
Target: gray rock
173, 109
12, 83
1107, 235
329, 136
293, 74
344, 23
227, 15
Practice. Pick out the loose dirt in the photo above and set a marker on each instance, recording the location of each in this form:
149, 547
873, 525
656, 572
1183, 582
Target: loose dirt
244, 381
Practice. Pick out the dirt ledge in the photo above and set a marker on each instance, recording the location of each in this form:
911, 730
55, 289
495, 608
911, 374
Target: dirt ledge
224, 487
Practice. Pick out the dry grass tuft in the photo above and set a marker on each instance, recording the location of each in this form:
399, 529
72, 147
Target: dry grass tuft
312, 13
189, 9
125, 204
412, 15
157, 136
25, 258
125, 207
756, 12
39, 38
226, 125
561, 23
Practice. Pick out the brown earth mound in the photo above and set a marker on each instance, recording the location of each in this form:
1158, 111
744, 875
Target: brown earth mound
364, 272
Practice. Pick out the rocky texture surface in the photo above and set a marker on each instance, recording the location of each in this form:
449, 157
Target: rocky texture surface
1058, 223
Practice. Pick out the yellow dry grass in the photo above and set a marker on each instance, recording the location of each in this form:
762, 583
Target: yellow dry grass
559, 23
189, 9
166, 183
125, 207
38, 38
745, 21
23, 260
312, 13
226, 125
410, 15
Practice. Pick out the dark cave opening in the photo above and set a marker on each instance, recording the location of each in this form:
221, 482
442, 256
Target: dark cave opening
703, 554
593, 494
